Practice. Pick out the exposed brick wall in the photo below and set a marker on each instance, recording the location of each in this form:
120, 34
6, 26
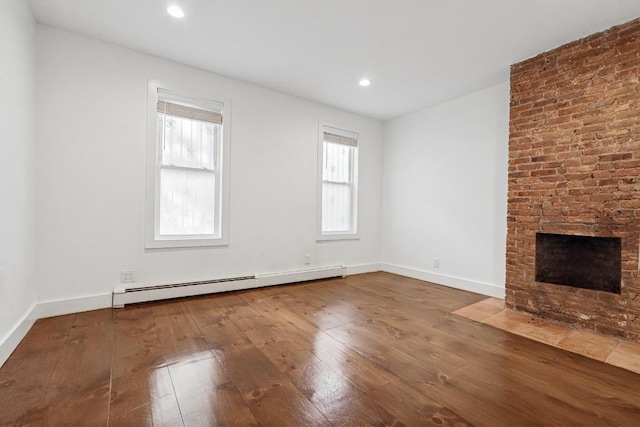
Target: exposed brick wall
574, 168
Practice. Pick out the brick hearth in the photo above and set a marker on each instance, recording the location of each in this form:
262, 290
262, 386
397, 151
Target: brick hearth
574, 168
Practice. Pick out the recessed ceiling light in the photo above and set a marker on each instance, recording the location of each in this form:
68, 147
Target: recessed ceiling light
175, 11
365, 82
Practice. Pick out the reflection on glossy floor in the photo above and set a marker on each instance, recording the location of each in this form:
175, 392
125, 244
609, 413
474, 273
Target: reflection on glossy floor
614, 351
374, 349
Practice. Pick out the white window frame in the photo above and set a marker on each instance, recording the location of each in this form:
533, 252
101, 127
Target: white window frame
153, 239
344, 235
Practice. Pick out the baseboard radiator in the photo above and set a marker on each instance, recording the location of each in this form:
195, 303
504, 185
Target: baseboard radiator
124, 296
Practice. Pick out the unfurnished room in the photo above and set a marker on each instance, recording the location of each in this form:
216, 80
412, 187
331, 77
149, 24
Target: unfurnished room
336, 213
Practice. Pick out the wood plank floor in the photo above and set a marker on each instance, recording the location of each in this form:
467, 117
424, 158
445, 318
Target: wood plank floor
373, 349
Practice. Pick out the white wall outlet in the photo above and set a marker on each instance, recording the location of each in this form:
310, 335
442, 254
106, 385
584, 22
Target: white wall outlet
127, 276
436, 263
307, 259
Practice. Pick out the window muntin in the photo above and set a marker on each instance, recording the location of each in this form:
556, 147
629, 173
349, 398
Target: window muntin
339, 183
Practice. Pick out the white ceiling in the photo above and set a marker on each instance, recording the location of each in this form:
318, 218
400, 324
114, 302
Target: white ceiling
417, 53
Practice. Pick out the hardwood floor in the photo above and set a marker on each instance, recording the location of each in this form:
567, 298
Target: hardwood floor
373, 349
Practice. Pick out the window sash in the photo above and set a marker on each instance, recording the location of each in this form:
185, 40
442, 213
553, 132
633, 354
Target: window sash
196, 202
202, 148
326, 173
338, 217
187, 203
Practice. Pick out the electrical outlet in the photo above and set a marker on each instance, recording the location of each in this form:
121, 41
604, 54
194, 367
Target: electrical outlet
436, 263
127, 276
307, 259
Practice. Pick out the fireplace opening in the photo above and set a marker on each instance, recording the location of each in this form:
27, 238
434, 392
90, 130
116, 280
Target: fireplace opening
579, 261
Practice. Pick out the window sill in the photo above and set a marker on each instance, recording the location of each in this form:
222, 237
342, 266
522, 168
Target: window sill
184, 243
337, 236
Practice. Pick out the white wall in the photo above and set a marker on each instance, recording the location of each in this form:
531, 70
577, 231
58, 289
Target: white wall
17, 85
445, 189
91, 166
443, 180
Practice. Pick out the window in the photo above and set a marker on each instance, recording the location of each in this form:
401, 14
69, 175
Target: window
187, 184
339, 184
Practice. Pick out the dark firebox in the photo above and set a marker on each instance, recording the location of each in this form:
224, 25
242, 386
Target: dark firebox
579, 261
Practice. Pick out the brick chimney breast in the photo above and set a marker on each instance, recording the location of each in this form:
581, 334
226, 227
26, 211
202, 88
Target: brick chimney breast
574, 169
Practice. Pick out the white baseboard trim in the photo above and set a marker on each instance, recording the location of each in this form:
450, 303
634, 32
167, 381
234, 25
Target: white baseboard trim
48, 309
443, 279
11, 340
72, 305
350, 270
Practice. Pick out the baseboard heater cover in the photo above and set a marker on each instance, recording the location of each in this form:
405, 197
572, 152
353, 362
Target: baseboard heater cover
299, 276
123, 296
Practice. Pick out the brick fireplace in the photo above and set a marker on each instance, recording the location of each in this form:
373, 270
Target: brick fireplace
574, 169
